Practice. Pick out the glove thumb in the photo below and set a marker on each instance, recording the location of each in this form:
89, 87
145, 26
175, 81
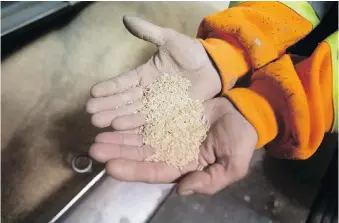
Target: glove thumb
148, 31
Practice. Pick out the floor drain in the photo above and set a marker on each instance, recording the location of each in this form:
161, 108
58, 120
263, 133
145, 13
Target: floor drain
82, 163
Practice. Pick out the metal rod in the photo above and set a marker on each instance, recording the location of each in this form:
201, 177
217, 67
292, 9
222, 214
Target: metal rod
78, 196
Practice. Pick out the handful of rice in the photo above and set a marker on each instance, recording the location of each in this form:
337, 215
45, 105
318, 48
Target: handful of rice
174, 122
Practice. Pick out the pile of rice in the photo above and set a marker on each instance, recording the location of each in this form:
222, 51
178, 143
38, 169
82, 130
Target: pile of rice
174, 122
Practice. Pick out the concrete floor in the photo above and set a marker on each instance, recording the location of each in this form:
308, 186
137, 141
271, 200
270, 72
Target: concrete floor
45, 86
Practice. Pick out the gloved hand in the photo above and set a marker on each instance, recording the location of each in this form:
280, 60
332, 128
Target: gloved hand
225, 154
177, 54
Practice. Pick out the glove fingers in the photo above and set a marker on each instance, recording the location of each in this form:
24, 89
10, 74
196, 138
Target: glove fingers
209, 181
116, 85
128, 121
103, 152
105, 118
130, 131
96, 105
147, 31
129, 139
148, 172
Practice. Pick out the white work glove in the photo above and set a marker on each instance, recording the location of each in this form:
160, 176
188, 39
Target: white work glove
225, 154
116, 102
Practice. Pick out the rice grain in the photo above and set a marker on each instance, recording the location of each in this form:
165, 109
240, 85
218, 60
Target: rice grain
174, 122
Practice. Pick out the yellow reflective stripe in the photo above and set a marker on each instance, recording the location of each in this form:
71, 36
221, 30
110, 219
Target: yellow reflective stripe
235, 3
305, 10
332, 41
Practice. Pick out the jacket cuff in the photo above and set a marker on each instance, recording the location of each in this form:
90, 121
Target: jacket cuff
229, 58
258, 111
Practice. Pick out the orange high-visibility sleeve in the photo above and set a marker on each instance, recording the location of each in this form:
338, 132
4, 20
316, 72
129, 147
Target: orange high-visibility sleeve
251, 34
290, 106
